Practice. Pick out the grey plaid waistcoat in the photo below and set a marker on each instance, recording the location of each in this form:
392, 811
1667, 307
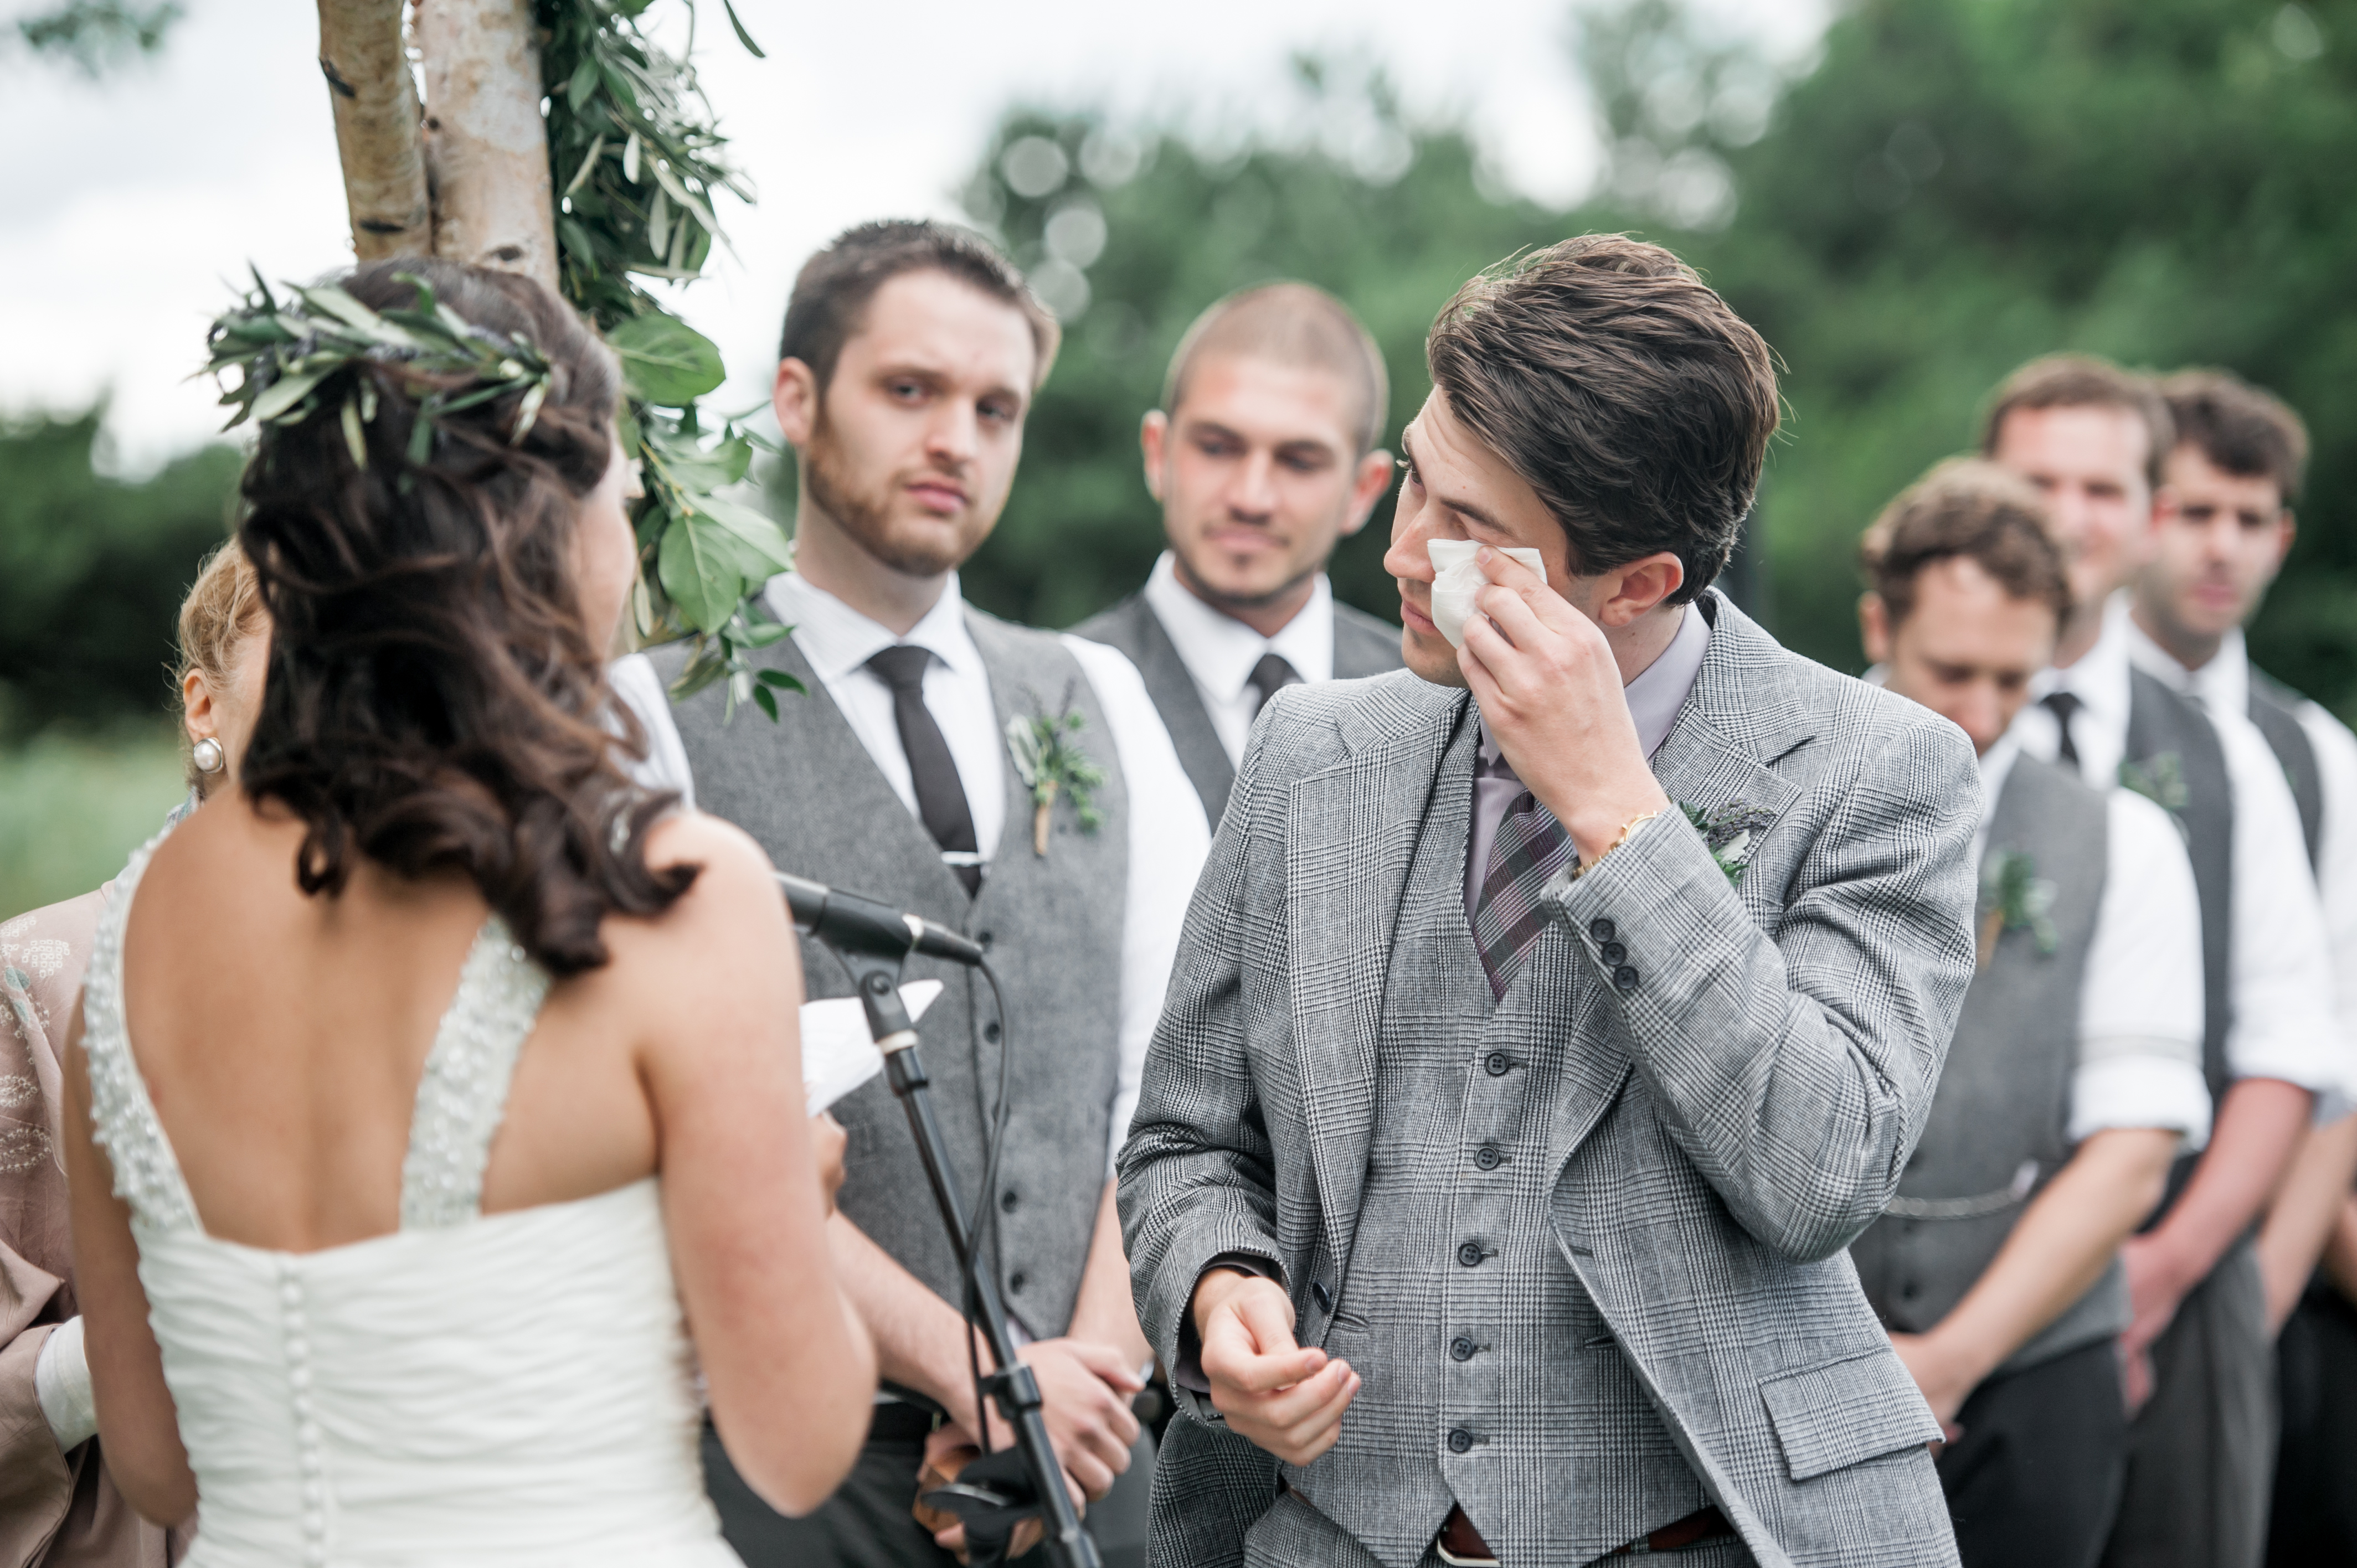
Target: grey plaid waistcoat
1491, 1379
1999, 1124
807, 790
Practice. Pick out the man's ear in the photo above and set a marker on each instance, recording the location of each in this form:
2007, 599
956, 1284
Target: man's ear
1874, 627
1633, 590
2287, 535
1153, 442
1368, 485
795, 399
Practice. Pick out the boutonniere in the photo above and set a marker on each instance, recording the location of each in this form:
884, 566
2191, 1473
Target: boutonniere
1728, 833
2159, 778
2013, 897
1049, 759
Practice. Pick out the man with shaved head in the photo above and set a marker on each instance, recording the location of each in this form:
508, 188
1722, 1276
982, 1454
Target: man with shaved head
1265, 456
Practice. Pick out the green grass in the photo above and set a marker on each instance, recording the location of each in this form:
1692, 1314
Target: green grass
72, 811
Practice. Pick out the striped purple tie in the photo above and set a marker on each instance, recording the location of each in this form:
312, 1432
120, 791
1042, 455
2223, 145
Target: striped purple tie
1530, 848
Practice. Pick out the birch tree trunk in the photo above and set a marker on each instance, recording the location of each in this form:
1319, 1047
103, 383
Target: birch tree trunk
486, 143
377, 136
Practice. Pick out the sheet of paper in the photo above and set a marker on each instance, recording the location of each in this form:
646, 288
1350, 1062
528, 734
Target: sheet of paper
837, 1054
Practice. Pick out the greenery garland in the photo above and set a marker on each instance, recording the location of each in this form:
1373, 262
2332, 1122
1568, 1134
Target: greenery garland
636, 159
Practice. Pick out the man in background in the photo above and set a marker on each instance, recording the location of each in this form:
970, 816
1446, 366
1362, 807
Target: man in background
2200, 1372
2075, 1071
908, 361
2234, 475
1263, 456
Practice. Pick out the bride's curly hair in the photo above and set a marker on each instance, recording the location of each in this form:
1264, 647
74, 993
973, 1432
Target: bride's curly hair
434, 700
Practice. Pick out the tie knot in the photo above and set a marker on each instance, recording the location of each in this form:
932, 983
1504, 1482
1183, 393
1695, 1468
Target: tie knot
902, 666
2062, 704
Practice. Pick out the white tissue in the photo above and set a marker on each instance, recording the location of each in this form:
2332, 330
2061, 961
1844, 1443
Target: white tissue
838, 1056
1456, 577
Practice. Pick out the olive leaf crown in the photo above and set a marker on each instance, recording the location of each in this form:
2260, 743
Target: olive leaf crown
289, 353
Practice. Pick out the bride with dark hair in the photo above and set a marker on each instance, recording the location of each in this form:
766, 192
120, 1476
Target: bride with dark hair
436, 1105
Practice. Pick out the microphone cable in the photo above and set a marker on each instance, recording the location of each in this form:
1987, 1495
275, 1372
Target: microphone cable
985, 1206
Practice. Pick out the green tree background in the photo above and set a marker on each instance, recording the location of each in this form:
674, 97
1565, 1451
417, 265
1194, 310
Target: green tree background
1945, 188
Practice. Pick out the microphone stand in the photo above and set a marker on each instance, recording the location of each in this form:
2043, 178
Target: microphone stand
874, 959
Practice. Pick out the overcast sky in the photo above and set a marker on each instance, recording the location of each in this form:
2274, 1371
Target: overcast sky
126, 205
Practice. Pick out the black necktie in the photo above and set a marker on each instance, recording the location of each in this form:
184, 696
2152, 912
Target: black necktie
941, 793
2062, 704
1269, 676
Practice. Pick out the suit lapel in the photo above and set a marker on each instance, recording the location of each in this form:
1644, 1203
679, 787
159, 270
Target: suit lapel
1351, 837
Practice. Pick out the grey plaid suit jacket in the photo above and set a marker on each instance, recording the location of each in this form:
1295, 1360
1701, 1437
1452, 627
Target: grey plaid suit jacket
1746, 1109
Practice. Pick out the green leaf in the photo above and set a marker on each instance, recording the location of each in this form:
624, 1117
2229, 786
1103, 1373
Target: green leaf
579, 91
767, 699
755, 529
742, 36
698, 567
666, 360
285, 393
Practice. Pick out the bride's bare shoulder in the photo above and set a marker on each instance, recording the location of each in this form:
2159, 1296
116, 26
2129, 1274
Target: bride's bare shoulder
733, 879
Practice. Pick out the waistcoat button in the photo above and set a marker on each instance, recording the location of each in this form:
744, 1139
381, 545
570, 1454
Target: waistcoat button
1602, 930
1469, 1254
1613, 952
1461, 1348
1016, 1281
1624, 979
1498, 1063
1488, 1158
1008, 1201
1459, 1440
983, 939
990, 1031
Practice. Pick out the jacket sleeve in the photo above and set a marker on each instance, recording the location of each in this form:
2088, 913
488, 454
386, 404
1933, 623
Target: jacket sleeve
1197, 1176
1797, 1070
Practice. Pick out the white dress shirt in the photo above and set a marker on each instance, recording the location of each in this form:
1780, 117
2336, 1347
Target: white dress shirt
2224, 685
1220, 650
2282, 1025
2140, 998
1169, 838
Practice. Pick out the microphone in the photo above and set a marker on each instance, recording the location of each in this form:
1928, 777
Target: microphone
846, 920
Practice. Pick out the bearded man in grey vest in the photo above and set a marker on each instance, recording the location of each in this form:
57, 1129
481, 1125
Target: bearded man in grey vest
2233, 476
1554, 1014
2200, 1372
2076, 1069
911, 770
1265, 454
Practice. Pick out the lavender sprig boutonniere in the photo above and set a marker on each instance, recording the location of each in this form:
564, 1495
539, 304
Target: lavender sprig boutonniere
1727, 833
1049, 759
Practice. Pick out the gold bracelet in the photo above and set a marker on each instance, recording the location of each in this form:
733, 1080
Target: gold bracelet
1630, 826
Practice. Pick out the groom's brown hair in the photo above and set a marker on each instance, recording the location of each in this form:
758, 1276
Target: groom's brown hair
1622, 389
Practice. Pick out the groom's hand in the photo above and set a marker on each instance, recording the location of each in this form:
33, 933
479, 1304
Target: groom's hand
1085, 1392
1551, 695
1283, 1397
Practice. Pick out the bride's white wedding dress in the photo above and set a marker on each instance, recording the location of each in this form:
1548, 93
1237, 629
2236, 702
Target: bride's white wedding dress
512, 1390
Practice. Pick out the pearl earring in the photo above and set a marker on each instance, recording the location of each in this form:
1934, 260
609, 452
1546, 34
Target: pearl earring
209, 756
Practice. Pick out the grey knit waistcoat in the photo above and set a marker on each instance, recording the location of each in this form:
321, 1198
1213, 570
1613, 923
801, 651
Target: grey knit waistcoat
806, 788
1998, 1127
2274, 711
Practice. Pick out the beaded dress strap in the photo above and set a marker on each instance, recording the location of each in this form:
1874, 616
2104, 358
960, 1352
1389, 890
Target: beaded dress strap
464, 1091
122, 1119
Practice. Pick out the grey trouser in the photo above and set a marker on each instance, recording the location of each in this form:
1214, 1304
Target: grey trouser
866, 1523
2201, 1453
2036, 1476
2316, 1474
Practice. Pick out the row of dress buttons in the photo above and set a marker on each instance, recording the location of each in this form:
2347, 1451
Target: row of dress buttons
308, 1439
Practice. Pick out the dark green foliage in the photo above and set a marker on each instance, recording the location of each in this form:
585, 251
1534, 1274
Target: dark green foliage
91, 573
96, 34
1392, 227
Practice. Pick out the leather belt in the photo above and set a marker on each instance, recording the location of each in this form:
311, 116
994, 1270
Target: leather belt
1459, 1542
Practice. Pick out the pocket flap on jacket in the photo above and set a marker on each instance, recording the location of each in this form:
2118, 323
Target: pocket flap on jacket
1846, 1411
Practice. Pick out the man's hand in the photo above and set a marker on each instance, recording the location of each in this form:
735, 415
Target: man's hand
1084, 1393
1946, 1383
1284, 1399
1551, 694
827, 1142
947, 1452
2156, 1287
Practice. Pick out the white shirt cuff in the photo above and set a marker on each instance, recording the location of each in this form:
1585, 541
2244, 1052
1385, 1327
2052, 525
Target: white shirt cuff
61, 1382
2138, 1090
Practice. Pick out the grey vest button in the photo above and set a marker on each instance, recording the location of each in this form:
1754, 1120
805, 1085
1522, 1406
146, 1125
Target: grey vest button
990, 1031
1488, 1158
1459, 1440
1469, 1254
1015, 1282
1497, 1064
1624, 978
983, 939
1603, 930
1008, 1201
1461, 1348
1613, 952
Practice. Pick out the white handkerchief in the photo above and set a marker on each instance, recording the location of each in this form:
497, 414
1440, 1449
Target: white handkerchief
1456, 577
838, 1056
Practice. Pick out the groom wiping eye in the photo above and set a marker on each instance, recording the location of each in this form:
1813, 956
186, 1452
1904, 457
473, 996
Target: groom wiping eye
1552, 1014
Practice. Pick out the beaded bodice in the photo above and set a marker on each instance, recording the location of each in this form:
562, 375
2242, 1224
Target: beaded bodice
461, 1098
511, 1391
